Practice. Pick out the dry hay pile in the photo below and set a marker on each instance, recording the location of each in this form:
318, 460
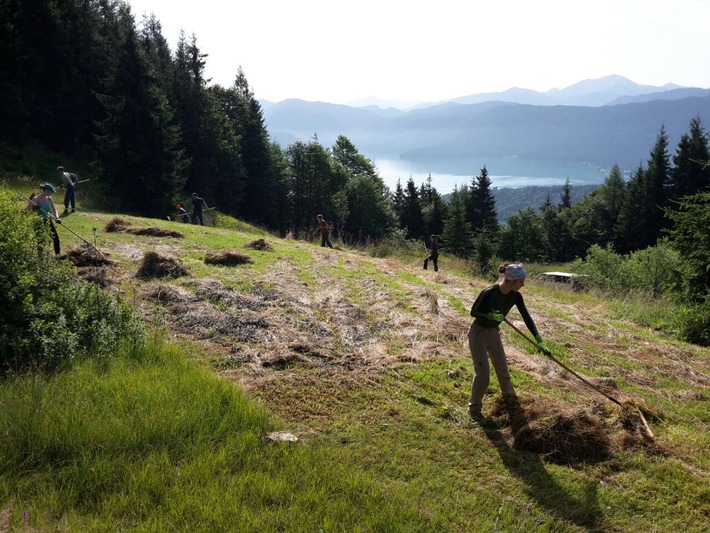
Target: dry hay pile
116, 225
119, 224
227, 258
569, 435
260, 244
155, 265
83, 255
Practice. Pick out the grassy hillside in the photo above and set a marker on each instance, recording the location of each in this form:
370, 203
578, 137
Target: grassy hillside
365, 361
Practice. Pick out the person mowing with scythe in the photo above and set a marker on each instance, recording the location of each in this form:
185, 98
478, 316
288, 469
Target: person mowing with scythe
489, 310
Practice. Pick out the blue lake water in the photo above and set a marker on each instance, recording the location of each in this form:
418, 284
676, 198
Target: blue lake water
503, 172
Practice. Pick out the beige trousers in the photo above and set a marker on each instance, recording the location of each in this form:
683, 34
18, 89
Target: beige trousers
485, 342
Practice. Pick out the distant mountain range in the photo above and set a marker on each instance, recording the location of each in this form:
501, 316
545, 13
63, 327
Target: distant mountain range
600, 122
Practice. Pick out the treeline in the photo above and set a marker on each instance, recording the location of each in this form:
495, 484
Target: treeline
83, 78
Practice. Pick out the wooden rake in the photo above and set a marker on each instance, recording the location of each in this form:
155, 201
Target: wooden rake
626, 405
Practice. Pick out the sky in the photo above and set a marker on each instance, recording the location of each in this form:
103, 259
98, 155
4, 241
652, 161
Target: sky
410, 52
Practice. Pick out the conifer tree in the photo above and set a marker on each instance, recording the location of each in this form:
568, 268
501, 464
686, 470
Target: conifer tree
612, 194
690, 175
412, 217
482, 211
566, 198
457, 235
138, 139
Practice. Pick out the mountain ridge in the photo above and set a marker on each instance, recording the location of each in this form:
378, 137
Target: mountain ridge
621, 130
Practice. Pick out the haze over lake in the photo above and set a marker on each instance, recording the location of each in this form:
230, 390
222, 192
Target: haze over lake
503, 172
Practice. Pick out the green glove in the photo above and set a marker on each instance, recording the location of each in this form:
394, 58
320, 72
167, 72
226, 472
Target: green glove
541, 344
495, 315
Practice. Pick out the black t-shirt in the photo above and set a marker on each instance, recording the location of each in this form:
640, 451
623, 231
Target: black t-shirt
492, 299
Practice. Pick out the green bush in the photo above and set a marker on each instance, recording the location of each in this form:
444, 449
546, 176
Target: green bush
47, 315
693, 323
603, 266
654, 271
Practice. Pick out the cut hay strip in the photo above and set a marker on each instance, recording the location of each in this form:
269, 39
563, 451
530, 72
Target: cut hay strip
227, 258
154, 232
260, 244
116, 224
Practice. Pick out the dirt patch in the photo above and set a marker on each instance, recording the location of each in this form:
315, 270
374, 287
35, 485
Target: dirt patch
260, 244
155, 265
227, 258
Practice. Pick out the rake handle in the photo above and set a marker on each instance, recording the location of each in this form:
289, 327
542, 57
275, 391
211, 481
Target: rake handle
565, 366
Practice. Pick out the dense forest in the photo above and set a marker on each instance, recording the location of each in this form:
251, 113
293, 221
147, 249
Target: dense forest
85, 79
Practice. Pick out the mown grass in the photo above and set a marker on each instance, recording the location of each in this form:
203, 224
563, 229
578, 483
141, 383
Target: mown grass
155, 442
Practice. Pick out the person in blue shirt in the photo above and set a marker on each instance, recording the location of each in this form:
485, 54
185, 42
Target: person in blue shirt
489, 310
43, 205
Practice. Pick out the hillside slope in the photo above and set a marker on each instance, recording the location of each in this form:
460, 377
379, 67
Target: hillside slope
367, 357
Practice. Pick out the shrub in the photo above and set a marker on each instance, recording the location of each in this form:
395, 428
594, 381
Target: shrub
47, 315
693, 323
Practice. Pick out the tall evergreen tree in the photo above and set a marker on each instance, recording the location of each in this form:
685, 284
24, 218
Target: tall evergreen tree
690, 175
411, 216
138, 139
433, 208
566, 198
691, 237
641, 218
482, 211
457, 236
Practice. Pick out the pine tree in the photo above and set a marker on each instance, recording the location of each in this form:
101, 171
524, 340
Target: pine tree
412, 217
138, 140
566, 198
482, 211
612, 194
457, 235
690, 174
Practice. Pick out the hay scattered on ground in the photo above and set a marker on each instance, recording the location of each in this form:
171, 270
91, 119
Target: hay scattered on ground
167, 294
260, 244
155, 265
120, 224
227, 258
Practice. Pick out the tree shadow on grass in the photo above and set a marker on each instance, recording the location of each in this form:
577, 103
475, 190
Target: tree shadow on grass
529, 467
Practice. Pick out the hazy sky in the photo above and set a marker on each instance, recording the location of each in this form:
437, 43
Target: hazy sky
335, 51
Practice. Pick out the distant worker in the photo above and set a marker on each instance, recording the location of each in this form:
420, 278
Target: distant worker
69, 181
43, 205
324, 229
197, 205
433, 251
182, 215
489, 310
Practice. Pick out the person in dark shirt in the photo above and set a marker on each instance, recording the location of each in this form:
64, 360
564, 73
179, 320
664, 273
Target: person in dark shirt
489, 310
197, 205
323, 228
433, 251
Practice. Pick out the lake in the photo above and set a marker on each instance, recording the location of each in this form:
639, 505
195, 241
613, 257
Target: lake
503, 172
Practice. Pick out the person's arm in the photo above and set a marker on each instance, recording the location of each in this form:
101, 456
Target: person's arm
530, 323
53, 209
